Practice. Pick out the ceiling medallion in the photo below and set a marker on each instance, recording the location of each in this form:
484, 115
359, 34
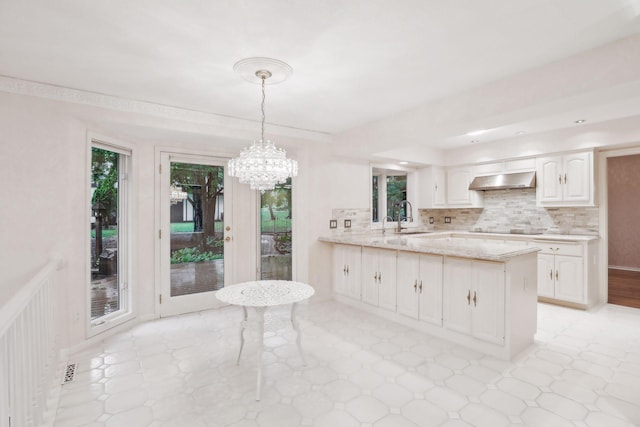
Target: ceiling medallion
262, 165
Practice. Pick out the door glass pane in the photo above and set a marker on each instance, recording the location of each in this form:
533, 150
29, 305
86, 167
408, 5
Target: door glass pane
275, 233
105, 284
197, 223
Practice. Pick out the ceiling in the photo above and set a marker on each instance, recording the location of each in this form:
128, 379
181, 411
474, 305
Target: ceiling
355, 61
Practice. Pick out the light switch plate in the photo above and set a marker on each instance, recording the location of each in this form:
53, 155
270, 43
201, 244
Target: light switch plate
347, 223
333, 223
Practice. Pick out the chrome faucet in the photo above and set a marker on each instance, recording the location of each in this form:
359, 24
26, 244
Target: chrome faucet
408, 215
385, 219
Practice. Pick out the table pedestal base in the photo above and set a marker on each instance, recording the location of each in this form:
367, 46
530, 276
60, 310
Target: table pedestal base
260, 329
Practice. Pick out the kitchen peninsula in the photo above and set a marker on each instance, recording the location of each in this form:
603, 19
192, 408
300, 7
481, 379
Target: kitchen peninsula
479, 294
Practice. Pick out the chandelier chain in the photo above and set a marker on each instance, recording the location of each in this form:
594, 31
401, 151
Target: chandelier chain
262, 105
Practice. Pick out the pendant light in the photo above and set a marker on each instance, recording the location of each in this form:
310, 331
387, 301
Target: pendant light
262, 165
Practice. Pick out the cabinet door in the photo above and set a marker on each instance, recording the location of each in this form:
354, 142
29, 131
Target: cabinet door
577, 177
370, 276
339, 270
457, 295
387, 279
353, 261
546, 272
430, 289
549, 179
407, 275
488, 301
458, 180
569, 279
439, 194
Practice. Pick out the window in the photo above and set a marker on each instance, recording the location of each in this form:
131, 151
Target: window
108, 253
389, 187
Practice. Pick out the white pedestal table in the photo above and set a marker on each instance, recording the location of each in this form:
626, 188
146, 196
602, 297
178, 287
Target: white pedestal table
261, 294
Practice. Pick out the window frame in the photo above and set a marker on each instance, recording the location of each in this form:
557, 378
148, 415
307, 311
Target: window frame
126, 162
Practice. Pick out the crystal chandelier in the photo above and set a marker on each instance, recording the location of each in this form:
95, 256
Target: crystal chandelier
262, 165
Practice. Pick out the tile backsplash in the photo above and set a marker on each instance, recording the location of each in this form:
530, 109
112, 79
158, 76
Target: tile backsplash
360, 220
504, 211
515, 211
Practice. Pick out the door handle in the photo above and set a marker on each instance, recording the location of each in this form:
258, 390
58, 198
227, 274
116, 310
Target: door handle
227, 239
469, 297
474, 298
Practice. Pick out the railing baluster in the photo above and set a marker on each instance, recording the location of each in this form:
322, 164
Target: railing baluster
28, 351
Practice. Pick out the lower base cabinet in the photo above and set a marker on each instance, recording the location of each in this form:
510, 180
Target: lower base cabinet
419, 286
346, 270
488, 306
379, 277
474, 298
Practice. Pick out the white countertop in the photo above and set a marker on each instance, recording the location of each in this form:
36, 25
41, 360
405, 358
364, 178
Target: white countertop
460, 244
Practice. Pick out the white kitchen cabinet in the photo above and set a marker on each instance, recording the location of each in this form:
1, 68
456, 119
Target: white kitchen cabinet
561, 277
347, 265
474, 298
505, 166
565, 180
419, 286
431, 187
379, 277
458, 193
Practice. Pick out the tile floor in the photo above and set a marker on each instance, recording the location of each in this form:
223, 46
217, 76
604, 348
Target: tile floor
584, 370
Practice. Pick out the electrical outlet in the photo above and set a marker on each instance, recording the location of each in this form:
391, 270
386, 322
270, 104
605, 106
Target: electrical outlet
431, 220
447, 220
347, 223
333, 223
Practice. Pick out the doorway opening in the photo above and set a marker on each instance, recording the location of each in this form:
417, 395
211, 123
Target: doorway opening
623, 195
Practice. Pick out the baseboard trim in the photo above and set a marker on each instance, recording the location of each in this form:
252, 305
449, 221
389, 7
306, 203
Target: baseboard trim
618, 267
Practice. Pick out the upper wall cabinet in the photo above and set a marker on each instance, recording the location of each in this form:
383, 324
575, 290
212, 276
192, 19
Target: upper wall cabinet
458, 193
431, 187
565, 180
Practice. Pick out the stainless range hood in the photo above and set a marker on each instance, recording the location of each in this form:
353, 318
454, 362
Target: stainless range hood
504, 181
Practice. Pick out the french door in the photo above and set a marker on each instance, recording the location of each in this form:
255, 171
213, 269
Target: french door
195, 232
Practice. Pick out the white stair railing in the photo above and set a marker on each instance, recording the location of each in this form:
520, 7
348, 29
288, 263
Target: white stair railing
29, 351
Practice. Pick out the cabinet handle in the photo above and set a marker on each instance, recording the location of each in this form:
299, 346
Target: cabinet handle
379, 276
347, 270
469, 297
475, 299
559, 178
551, 274
420, 285
556, 275
565, 178
344, 270
415, 285
375, 276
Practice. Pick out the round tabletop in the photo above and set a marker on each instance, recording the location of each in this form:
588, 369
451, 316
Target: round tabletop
265, 293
